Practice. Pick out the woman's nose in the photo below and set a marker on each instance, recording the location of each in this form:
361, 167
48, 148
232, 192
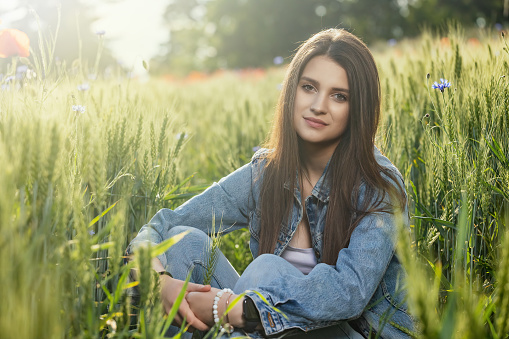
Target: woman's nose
319, 105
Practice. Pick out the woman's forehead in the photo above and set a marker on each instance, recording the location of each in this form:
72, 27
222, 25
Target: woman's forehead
324, 70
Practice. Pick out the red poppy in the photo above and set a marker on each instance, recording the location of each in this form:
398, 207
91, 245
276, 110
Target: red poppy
13, 42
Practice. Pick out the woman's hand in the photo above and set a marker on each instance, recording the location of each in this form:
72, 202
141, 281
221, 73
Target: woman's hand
170, 289
201, 305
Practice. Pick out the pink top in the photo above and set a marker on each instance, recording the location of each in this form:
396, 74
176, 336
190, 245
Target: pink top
302, 258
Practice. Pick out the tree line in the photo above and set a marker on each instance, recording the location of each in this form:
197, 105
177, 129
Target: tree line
210, 34
206, 35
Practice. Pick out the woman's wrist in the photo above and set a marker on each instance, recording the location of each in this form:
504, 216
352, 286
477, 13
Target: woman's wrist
235, 314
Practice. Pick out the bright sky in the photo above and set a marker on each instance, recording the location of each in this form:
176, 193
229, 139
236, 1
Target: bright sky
134, 28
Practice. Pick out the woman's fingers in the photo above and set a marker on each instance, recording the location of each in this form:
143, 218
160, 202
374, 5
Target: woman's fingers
192, 287
170, 289
201, 303
189, 297
185, 312
191, 319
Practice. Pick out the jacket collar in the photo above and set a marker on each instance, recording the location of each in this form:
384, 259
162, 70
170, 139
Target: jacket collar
320, 191
322, 188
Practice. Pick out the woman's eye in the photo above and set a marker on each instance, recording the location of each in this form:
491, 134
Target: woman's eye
339, 97
308, 87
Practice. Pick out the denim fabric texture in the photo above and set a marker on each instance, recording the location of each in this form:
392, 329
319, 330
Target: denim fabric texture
190, 254
365, 287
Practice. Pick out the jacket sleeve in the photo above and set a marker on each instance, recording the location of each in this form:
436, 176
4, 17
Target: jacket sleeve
229, 200
330, 293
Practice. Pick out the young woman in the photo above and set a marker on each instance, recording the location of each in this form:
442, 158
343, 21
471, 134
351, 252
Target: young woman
321, 204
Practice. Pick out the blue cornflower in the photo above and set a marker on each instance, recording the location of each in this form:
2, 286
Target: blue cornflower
278, 60
442, 85
392, 42
79, 108
21, 69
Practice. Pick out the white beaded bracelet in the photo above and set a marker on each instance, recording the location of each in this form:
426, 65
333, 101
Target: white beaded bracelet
214, 306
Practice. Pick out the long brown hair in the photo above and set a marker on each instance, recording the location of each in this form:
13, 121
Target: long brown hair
352, 162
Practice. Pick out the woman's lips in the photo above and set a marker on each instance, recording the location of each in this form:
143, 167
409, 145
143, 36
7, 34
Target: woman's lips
315, 123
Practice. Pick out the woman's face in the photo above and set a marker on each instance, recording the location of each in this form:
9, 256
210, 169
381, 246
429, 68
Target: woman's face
322, 103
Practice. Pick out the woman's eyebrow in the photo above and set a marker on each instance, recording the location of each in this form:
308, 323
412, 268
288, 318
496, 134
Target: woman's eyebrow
314, 82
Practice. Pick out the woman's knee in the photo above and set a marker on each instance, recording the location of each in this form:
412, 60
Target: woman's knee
190, 248
193, 237
193, 253
262, 270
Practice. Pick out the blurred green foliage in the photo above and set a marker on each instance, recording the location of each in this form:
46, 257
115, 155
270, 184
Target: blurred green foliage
206, 35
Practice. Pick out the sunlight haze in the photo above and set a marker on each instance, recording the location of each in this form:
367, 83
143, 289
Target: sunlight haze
133, 29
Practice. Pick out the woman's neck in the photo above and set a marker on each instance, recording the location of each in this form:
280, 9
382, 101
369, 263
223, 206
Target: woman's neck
314, 160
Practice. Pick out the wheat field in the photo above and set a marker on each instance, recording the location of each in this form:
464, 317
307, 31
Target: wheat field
88, 159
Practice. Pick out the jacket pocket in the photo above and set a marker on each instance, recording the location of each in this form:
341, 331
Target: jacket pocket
395, 296
388, 312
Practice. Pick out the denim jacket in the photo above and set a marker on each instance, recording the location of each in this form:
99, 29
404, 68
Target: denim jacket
365, 287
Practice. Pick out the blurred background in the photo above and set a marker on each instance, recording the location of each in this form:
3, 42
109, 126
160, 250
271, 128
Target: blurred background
179, 36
